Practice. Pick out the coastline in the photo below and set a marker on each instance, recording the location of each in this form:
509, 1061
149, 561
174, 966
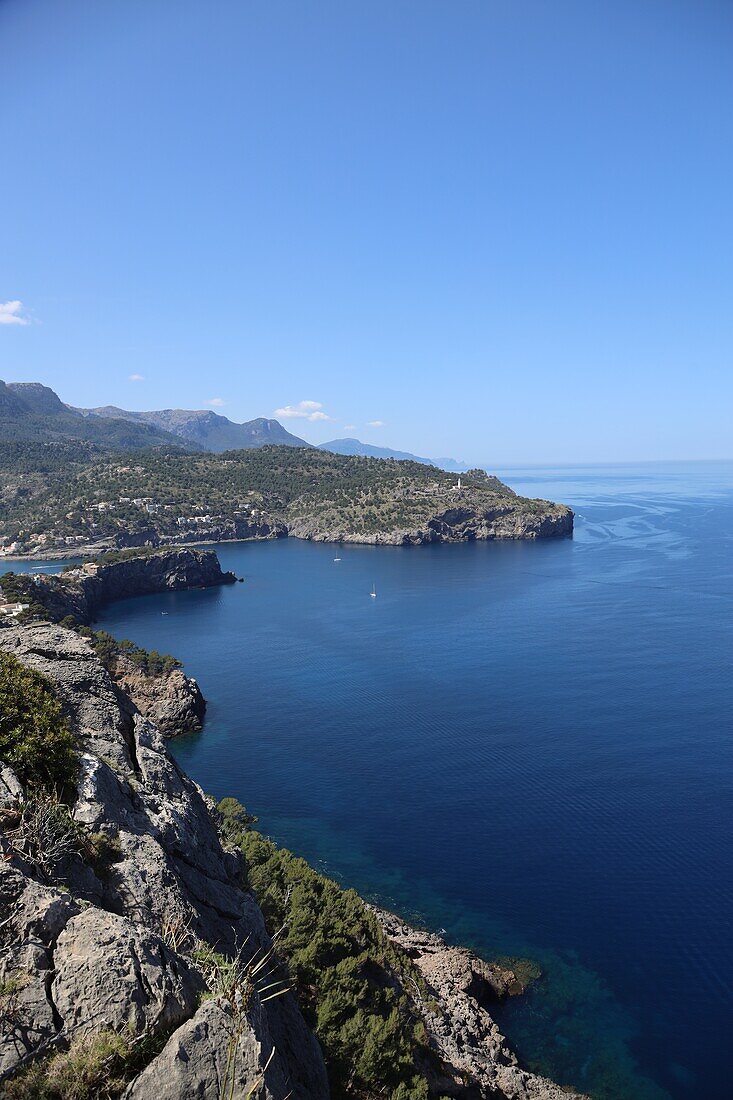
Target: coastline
85, 552
129, 786
461, 985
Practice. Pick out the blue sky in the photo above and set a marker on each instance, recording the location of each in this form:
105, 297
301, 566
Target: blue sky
501, 229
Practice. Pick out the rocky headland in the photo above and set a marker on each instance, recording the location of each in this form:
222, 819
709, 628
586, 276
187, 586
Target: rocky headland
462, 522
80, 592
93, 500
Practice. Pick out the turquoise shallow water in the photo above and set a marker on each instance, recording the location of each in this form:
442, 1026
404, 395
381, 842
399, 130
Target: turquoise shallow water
528, 745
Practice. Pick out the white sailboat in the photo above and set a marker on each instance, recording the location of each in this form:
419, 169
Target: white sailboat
373, 592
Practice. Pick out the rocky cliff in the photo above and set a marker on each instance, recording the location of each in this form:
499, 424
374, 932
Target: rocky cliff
172, 700
135, 925
81, 592
126, 945
458, 523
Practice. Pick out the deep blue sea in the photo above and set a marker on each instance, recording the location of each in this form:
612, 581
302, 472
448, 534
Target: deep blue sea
528, 745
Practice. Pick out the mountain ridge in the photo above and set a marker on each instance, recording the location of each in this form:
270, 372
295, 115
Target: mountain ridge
34, 413
348, 445
211, 431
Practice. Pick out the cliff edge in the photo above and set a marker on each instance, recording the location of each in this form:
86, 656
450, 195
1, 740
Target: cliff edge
128, 923
80, 592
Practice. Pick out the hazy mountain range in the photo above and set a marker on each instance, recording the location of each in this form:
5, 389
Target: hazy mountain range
207, 429
32, 411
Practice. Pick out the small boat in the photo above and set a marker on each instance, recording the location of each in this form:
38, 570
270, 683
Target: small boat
337, 559
164, 612
373, 592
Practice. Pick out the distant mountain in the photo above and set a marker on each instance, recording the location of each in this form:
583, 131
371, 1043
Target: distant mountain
207, 429
356, 447
452, 465
367, 450
31, 412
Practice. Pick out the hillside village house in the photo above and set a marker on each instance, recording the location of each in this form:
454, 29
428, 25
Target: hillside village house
13, 609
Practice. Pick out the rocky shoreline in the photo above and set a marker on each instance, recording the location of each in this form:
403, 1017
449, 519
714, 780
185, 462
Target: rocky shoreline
463, 523
104, 951
462, 1029
115, 945
81, 592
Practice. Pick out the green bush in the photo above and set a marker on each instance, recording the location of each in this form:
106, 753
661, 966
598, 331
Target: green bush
95, 1067
109, 649
348, 977
35, 739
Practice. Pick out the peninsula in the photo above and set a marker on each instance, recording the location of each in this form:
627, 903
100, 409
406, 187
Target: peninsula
70, 497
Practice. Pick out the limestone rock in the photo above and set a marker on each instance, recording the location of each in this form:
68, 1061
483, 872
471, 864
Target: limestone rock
216, 1054
11, 790
172, 700
461, 1029
170, 878
31, 918
110, 973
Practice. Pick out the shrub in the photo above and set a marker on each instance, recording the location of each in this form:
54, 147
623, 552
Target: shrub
349, 978
236, 820
35, 739
95, 1067
45, 834
110, 649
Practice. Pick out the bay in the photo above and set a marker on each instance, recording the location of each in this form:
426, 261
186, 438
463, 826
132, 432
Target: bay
525, 744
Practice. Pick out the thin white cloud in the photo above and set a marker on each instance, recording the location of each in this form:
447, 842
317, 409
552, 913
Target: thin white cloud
304, 410
216, 402
136, 378
375, 423
349, 427
11, 313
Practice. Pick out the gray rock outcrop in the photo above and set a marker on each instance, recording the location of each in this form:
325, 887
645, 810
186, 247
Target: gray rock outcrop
172, 700
80, 592
461, 1029
113, 973
101, 955
197, 1059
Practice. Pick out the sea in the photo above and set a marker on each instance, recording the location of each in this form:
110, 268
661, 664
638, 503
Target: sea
525, 745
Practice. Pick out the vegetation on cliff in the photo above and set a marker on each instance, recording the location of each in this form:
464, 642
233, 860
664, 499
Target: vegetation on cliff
110, 649
156, 495
349, 978
95, 1067
35, 739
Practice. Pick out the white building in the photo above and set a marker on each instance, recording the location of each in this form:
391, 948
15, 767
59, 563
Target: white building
13, 609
